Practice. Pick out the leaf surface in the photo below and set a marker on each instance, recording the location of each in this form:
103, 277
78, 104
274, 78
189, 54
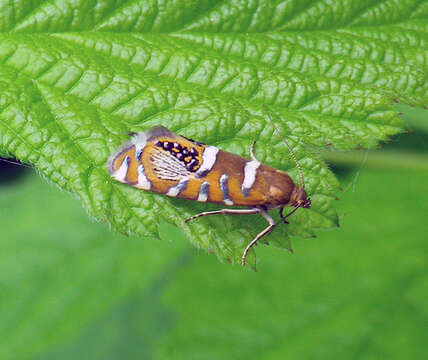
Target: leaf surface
75, 76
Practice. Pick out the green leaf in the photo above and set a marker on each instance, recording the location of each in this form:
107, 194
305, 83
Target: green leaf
75, 77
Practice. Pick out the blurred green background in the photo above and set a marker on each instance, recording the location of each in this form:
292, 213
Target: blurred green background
71, 289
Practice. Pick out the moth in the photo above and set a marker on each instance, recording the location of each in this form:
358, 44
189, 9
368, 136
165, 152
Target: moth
161, 161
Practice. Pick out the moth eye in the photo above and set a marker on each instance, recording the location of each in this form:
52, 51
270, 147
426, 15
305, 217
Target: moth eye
193, 151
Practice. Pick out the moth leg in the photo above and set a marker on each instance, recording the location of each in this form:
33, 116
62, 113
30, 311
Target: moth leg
225, 212
266, 231
281, 214
284, 218
253, 157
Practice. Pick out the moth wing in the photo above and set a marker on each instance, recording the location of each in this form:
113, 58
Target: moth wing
167, 167
139, 140
163, 165
147, 161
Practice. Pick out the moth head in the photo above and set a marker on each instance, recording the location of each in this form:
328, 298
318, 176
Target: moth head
299, 198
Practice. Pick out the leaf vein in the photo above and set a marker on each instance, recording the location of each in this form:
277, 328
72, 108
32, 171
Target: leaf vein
31, 13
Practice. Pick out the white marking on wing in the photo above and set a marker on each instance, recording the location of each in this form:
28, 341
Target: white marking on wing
225, 190
208, 160
250, 172
120, 174
203, 192
143, 182
178, 188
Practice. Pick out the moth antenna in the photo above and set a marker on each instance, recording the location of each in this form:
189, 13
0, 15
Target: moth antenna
293, 156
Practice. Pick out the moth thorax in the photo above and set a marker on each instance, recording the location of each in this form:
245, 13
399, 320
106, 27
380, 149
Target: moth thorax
298, 198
